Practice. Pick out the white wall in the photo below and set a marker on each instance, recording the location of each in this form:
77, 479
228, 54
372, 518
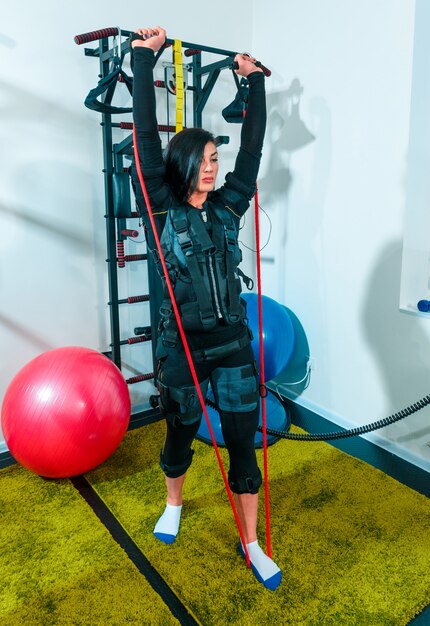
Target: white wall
52, 275
338, 204
415, 284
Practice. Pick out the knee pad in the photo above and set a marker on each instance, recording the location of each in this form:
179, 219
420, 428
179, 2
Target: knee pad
236, 388
245, 484
174, 471
181, 405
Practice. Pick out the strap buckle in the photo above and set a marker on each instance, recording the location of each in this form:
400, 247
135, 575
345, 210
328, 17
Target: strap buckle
169, 342
207, 319
184, 241
230, 237
166, 311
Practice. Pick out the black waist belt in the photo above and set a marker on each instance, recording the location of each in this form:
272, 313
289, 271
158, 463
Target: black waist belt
224, 350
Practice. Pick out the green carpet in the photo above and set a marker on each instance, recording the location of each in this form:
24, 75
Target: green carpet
353, 544
59, 565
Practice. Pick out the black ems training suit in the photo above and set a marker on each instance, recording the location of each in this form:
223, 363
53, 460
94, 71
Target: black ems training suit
207, 289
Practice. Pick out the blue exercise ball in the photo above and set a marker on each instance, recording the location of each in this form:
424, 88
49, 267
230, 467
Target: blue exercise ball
276, 418
278, 334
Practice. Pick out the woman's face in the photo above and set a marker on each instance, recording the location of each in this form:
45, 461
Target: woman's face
208, 169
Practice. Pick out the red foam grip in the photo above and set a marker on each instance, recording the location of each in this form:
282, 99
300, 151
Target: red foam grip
120, 253
163, 128
95, 35
137, 340
191, 52
140, 378
135, 257
265, 69
133, 299
128, 232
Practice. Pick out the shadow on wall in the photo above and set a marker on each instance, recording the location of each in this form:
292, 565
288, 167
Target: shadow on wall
56, 229
27, 106
295, 134
30, 219
6, 41
398, 341
24, 333
53, 201
286, 133
297, 246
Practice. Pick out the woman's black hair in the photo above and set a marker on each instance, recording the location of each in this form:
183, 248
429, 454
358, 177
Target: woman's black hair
183, 157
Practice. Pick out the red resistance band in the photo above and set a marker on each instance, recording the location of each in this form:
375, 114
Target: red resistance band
263, 391
188, 353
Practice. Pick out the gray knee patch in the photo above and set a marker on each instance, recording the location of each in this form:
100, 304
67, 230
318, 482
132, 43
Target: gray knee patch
246, 484
181, 405
174, 471
236, 388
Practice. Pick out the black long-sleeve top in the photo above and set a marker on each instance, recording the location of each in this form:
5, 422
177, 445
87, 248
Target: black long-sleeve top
239, 185
244, 175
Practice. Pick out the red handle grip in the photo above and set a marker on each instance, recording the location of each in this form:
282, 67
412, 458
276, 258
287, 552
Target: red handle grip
191, 52
265, 69
140, 339
95, 35
139, 378
129, 232
163, 128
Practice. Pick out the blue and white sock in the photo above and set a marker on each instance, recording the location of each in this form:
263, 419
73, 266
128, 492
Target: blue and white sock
167, 526
265, 570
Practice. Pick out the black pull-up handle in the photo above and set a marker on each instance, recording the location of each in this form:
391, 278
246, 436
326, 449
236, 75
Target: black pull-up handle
266, 71
192, 51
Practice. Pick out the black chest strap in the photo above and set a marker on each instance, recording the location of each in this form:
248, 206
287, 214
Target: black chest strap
203, 295
232, 257
232, 278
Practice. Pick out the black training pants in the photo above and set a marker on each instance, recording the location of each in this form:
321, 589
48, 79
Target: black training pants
230, 379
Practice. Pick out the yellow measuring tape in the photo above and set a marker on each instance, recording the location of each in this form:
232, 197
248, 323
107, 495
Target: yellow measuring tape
179, 82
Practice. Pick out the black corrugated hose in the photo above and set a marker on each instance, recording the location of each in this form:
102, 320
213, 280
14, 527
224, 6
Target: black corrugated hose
352, 432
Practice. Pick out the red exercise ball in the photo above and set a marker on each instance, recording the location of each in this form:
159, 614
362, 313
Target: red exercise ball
65, 412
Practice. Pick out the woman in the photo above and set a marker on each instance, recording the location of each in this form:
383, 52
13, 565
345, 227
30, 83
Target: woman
198, 227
